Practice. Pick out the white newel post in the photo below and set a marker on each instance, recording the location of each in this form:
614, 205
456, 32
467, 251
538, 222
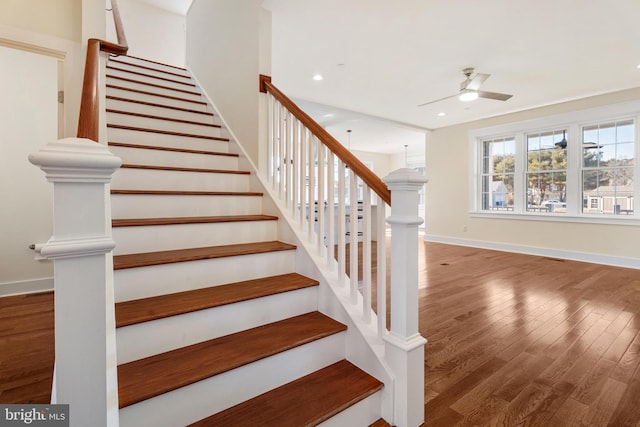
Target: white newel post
404, 346
80, 248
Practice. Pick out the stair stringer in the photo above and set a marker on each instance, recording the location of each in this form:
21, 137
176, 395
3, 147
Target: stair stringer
363, 347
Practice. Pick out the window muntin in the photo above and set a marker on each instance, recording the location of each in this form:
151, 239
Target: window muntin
546, 174
608, 161
498, 172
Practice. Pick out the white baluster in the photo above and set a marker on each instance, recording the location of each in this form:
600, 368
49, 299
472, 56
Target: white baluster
311, 188
321, 173
330, 209
341, 220
353, 236
366, 256
381, 266
303, 175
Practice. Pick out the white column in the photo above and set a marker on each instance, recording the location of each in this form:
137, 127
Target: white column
404, 346
86, 375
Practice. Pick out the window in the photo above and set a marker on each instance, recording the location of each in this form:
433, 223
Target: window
498, 169
579, 166
546, 175
608, 167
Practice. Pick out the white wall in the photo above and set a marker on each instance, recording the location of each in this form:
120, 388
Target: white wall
152, 33
60, 18
223, 51
29, 110
447, 199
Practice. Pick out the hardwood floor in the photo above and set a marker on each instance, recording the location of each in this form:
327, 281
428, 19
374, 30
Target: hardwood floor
513, 340
523, 340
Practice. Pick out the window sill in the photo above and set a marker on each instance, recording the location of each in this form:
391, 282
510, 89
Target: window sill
581, 219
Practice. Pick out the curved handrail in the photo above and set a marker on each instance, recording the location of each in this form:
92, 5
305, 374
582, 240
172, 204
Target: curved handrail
370, 178
88, 120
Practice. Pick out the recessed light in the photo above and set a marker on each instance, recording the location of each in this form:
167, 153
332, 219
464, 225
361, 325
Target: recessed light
638, 66
318, 77
441, 114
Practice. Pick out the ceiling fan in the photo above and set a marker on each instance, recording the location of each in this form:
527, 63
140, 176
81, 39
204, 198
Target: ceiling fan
469, 89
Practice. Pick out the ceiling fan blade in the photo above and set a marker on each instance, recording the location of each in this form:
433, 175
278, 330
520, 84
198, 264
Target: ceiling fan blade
475, 82
494, 95
437, 100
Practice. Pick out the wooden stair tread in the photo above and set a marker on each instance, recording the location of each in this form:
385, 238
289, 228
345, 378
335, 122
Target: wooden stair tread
145, 378
156, 62
151, 68
306, 401
154, 85
166, 132
186, 193
153, 104
151, 76
179, 150
194, 254
380, 423
182, 169
168, 119
152, 308
139, 222
144, 92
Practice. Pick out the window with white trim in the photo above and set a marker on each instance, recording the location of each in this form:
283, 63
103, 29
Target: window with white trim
579, 166
608, 167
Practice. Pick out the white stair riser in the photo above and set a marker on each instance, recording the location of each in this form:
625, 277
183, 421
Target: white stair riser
363, 413
142, 340
144, 179
149, 205
150, 77
159, 111
155, 238
164, 140
155, 89
146, 66
199, 400
160, 124
140, 156
142, 282
123, 93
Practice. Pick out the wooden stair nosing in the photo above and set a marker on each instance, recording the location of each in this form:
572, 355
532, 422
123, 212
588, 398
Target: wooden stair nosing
141, 222
166, 132
149, 377
153, 104
381, 423
155, 85
173, 149
151, 76
144, 92
158, 307
147, 259
186, 193
307, 401
156, 62
182, 169
150, 68
168, 119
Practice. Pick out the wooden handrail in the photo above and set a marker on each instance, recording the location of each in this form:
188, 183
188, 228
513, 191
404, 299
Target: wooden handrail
370, 178
88, 120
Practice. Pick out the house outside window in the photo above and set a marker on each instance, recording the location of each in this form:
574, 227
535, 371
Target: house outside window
498, 169
577, 166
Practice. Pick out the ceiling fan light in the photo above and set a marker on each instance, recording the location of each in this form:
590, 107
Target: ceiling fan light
469, 95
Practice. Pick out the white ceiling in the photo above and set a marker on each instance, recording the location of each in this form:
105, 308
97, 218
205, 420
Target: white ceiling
383, 58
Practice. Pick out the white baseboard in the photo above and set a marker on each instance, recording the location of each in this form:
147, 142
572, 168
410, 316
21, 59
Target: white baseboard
26, 287
593, 258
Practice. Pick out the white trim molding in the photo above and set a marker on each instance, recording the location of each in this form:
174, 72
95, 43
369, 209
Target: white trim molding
615, 261
31, 286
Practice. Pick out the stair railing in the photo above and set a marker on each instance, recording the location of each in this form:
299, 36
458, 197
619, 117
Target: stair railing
341, 206
85, 375
89, 118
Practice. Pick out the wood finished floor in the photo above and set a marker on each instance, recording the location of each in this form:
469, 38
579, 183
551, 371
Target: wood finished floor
513, 340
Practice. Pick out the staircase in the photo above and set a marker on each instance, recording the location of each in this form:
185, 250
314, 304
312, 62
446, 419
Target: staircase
214, 325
